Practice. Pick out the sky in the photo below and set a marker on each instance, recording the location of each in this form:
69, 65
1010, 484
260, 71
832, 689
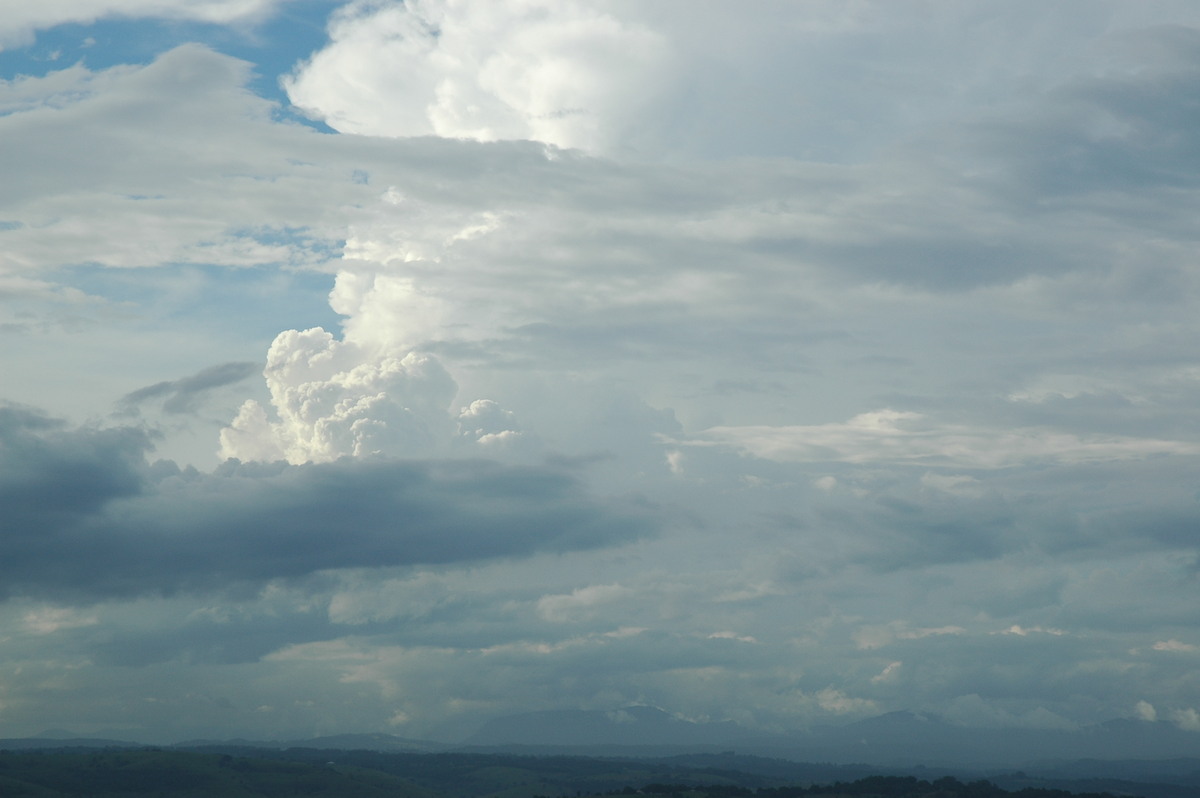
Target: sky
383, 366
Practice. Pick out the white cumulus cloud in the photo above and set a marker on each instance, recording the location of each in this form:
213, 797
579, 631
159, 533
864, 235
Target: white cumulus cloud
333, 399
565, 73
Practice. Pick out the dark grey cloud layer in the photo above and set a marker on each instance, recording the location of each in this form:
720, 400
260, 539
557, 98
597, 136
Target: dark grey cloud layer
84, 516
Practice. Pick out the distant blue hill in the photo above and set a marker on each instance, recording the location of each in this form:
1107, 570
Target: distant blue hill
630, 726
384, 743
894, 739
56, 742
897, 739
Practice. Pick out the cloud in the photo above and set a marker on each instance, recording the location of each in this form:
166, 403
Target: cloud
20, 22
890, 673
48, 620
902, 437
85, 516
975, 711
1174, 645
52, 475
340, 398
334, 399
1021, 631
1187, 719
872, 637
165, 203
813, 80
487, 423
1116, 138
560, 608
839, 703
925, 374
183, 395
567, 74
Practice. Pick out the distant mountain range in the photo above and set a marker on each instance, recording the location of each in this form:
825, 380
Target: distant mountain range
904, 737
636, 726
894, 739
385, 743
897, 739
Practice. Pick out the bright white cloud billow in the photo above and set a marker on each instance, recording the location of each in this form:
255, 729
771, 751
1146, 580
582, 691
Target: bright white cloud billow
780, 364
333, 401
566, 73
